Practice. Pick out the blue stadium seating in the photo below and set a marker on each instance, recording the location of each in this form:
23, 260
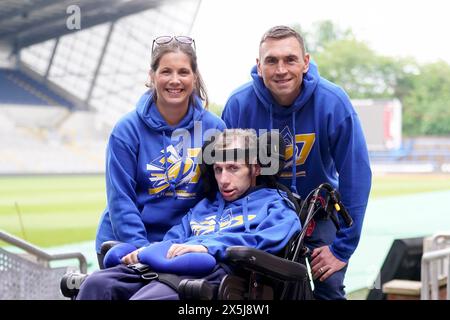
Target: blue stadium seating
18, 88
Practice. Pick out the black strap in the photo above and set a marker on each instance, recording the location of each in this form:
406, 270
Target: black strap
171, 280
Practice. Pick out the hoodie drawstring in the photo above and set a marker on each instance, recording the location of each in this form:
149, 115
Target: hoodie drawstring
271, 117
245, 215
294, 155
294, 146
219, 213
172, 182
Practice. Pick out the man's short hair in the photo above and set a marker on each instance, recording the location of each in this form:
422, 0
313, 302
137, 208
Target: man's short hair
283, 32
243, 140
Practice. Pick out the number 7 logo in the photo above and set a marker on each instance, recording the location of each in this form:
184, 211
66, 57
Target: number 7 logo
307, 141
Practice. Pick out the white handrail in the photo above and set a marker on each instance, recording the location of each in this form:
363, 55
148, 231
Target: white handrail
430, 276
441, 241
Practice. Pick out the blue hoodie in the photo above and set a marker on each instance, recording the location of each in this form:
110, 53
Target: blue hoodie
329, 143
151, 182
261, 219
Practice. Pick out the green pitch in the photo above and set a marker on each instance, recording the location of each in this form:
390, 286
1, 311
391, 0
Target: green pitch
57, 210
53, 210
402, 184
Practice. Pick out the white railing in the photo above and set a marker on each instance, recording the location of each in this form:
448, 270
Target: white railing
438, 242
433, 272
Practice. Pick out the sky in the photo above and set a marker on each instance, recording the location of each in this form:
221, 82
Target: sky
227, 33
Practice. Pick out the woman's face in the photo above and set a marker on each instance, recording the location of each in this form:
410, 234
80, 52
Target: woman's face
174, 80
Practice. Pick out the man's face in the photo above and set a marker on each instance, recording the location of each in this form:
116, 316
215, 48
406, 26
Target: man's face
281, 64
234, 178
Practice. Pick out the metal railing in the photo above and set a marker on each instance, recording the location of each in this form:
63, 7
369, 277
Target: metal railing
41, 256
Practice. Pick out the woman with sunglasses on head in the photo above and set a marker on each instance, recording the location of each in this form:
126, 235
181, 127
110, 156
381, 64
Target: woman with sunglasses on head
151, 176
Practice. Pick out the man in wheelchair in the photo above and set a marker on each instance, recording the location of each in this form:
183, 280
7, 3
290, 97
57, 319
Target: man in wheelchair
240, 210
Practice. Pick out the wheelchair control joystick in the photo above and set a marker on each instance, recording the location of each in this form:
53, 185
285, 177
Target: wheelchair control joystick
338, 205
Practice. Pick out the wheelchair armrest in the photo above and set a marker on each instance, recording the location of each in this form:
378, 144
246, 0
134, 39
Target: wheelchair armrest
266, 263
108, 245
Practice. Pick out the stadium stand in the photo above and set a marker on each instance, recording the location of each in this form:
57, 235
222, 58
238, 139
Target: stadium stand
43, 139
18, 88
417, 155
62, 89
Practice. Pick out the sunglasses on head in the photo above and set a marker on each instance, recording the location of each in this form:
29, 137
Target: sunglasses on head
167, 39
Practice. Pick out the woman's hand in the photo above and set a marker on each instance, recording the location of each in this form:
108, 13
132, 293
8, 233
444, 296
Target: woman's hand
177, 249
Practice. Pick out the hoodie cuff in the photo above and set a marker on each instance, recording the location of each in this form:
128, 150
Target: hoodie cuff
337, 255
192, 241
141, 243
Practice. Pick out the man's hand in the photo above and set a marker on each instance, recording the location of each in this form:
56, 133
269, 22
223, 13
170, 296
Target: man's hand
324, 263
177, 249
132, 257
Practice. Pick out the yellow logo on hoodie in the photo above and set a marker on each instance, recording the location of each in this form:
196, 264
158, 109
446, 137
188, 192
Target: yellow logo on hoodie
161, 180
302, 148
227, 221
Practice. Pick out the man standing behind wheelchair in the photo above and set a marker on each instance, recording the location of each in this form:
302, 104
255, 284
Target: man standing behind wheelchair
325, 144
236, 212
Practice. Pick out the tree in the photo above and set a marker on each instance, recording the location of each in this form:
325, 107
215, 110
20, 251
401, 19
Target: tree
326, 32
350, 63
426, 103
358, 69
424, 90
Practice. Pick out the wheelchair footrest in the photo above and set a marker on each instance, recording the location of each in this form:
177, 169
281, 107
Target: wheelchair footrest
70, 284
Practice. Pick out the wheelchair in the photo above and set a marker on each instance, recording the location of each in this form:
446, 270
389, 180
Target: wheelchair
255, 274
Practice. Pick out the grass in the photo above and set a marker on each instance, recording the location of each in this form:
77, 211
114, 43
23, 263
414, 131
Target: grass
395, 185
53, 210
57, 210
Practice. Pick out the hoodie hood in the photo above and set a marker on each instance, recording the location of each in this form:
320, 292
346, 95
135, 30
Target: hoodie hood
149, 113
309, 83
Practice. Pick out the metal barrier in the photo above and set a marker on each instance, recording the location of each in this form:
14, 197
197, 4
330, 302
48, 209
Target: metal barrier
30, 276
